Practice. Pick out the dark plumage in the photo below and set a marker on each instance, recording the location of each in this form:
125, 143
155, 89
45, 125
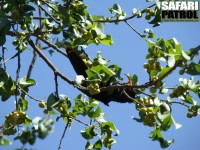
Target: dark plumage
117, 95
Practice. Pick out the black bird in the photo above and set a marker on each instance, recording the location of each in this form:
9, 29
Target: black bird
118, 95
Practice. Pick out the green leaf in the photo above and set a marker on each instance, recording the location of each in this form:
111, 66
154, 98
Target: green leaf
161, 43
79, 107
137, 119
103, 69
101, 72
9, 130
89, 133
163, 71
3, 77
23, 104
117, 70
32, 138
165, 143
188, 99
193, 69
88, 146
109, 127
93, 75
3, 40
98, 145
107, 40
28, 8
164, 111
24, 82
24, 138
165, 108
4, 141
150, 44
135, 79
116, 9
95, 113
100, 60
151, 35
173, 46
100, 118
51, 101
166, 123
51, 52
5, 25
156, 135
109, 141
28, 121
7, 89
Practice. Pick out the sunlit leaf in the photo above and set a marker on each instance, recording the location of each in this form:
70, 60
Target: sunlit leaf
4, 141
164, 71
89, 133
24, 82
79, 79
170, 60
177, 125
95, 113
185, 56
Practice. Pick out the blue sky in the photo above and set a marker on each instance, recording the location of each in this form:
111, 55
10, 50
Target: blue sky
129, 52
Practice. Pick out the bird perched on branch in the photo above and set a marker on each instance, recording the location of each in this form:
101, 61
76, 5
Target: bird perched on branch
121, 95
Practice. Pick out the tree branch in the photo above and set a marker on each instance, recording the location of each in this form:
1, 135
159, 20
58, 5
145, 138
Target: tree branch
3, 57
31, 97
63, 135
151, 83
56, 85
50, 6
135, 30
17, 78
52, 45
49, 14
31, 64
79, 121
48, 62
15, 55
125, 19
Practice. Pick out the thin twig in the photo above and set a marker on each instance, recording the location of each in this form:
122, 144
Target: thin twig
34, 53
50, 6
49, 15
31, 97
15, 55
145, 93
56, 85
151, 83
17, 78
180, 103
31, 64
135, 30
3, 57
125, 19
52, 45
134, 100
49, 63
79, 121
169, 102
63, 135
